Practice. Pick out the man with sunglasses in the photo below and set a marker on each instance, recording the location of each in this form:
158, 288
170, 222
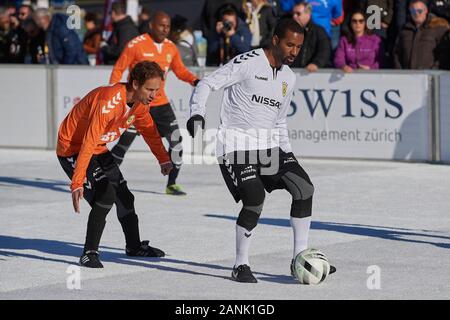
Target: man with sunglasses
420, 43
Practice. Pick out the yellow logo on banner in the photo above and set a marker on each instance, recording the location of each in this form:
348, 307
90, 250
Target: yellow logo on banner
284, 88
130, 119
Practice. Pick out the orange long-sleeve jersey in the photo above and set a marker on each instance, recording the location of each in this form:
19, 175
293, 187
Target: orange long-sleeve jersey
167, 57
101, 117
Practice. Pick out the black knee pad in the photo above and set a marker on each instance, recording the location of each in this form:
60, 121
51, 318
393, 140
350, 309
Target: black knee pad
247, 219
301, 208
252, 194
299, 186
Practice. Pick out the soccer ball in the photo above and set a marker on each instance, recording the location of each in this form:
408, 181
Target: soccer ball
311, 267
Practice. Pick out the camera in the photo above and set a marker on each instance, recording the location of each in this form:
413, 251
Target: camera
227, 26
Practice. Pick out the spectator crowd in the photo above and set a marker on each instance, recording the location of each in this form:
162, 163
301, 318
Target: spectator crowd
412, 34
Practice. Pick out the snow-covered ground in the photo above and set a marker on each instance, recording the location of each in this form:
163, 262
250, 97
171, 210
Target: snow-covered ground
374, 220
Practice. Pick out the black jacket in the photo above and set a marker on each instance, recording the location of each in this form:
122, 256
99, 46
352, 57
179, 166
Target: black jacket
35, 47
316, 48
123, 31
267, 22
239, 43
387, 9
13, 45
441, 8
211, 14
424, 47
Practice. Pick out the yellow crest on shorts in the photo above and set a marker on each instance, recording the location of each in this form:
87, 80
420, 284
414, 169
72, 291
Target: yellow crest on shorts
284, 88
130, 119
169, 58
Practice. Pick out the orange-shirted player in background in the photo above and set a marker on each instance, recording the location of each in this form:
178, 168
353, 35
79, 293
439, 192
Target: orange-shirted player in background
156, 47
101, 117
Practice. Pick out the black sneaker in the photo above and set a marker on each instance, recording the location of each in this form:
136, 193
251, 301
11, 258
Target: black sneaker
243, 274
90, 259
145, 251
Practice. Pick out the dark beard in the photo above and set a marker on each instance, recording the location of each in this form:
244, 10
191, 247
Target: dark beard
285, 61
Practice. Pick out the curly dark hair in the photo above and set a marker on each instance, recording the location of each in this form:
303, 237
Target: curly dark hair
287, 23
145, 70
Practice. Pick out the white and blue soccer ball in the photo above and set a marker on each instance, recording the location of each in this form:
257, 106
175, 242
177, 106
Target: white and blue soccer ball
311, 266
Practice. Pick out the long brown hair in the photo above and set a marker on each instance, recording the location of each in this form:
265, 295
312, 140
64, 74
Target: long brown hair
348, 31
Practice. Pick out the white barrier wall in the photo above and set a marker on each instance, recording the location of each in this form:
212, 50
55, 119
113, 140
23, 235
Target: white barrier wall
23, 107
362, 115
72, 84
377, 116
374, 116
445, 116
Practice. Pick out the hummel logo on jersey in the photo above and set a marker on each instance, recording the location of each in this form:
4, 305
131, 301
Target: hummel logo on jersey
267, 101
247, 234
112, 103
261, 78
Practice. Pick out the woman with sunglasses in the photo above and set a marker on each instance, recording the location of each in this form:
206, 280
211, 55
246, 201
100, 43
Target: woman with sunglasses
358, 48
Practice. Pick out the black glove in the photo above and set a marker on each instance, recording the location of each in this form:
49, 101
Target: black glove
196, 82
193, 124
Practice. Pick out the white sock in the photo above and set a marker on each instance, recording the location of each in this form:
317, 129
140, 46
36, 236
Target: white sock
300, 226
242, 245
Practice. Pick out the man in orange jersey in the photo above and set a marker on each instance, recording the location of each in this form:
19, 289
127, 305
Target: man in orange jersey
101, 117
156, 47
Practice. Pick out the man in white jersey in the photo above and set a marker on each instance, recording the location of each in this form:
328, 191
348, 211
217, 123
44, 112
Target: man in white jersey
253, 146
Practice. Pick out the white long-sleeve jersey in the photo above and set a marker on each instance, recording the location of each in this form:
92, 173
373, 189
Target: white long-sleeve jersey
255, 103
